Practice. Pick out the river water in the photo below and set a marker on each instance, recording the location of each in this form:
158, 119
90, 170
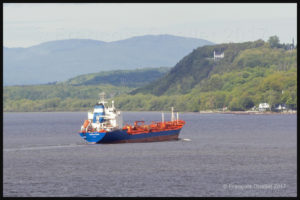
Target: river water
217, 155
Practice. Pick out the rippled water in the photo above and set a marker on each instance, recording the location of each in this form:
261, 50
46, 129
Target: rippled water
217, 155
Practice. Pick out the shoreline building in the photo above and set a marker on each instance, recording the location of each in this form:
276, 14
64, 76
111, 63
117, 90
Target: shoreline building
263, 107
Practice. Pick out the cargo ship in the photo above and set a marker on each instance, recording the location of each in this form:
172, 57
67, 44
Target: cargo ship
105, 125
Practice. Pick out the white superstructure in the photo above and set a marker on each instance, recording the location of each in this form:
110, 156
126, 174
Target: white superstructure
104, 117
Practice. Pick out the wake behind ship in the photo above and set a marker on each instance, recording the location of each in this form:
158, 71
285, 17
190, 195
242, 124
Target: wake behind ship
104, 125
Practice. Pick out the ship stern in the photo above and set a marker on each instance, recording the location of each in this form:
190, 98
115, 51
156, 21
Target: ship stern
92, 137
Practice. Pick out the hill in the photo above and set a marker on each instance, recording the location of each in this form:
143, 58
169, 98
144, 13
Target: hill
196, 66
249, 73
78, 93
64, 59
128, 78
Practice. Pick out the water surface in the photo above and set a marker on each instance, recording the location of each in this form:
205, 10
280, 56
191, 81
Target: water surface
218, 155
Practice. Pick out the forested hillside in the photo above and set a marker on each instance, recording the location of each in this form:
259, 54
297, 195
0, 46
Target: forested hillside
249, 73
57, 97
129, 78
78, 93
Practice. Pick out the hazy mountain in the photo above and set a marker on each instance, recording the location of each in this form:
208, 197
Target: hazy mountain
63, 59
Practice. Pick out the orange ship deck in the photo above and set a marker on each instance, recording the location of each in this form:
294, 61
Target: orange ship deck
139, 127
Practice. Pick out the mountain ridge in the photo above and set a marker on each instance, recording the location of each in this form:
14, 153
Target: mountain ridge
63, 59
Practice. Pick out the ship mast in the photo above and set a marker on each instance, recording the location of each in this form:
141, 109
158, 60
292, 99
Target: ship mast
172, 116
102, 98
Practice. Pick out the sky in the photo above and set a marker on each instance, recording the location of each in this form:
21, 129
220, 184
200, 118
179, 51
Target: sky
28, 24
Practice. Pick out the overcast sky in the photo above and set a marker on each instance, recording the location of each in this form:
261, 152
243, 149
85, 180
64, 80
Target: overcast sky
27, 24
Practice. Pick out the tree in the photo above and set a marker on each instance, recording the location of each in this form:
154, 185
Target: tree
272, 97
235, 105
274, 41
246, 102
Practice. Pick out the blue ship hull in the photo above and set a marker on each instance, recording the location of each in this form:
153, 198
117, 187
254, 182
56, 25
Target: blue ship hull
121, 136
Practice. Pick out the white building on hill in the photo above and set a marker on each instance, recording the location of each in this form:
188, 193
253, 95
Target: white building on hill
218, 56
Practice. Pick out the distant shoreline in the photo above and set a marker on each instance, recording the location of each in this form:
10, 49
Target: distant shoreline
199, 112
249, 112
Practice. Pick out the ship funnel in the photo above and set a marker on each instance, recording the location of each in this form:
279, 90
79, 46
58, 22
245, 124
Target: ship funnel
162, 117
177, 116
